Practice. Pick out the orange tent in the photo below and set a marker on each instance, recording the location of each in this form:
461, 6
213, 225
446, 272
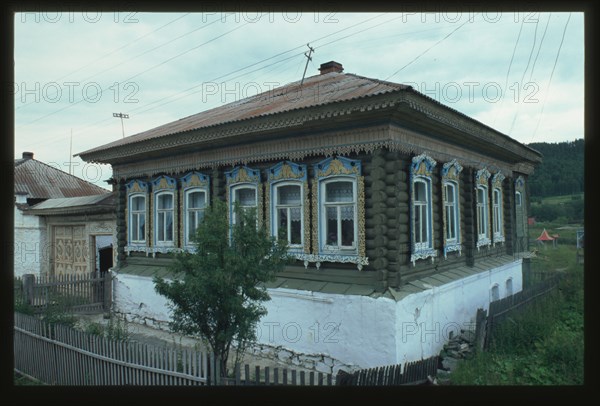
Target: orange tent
545, 236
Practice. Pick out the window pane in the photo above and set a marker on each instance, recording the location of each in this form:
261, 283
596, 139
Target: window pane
418, 222
496, 196
449, 193
161, 226
137, 203
347, 232
192, 224
282, 223
196, 200
246, 196
339, 192
165, 201
296, 226
451, 223
420, 192
288, 195
134, 227
423, 223
169, 226
518, 198
332, 224
142, 227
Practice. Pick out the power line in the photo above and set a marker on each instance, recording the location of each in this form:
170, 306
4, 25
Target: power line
550, 80
540, 48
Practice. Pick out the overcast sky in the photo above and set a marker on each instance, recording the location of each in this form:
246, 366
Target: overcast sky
520, 73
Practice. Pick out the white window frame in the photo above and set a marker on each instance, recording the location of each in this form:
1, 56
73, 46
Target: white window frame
187, 210
482, 214
418, 207
453, 209
157, 211
338, 248
498, 225
275, 213
232, 199
131, 241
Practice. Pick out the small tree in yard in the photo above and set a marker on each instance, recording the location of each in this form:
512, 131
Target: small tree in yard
219, 297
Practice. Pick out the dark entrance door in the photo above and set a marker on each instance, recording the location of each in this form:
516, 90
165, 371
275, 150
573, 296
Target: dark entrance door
105, 257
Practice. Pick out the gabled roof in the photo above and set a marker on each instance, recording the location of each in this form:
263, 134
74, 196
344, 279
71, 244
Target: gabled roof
315, 90
41, 181
545, 236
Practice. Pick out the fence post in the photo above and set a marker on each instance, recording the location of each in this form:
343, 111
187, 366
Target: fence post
107, 284
28, 288
480, 329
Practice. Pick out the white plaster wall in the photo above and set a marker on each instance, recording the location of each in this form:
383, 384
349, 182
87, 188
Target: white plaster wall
352, 330
30, 244
425, 319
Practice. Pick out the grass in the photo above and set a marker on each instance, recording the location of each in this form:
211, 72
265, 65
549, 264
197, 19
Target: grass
542, 345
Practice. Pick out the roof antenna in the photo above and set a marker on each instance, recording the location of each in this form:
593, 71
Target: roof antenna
308, 59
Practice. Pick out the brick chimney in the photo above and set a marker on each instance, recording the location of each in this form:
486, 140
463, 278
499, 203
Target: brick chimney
331, 66
27, 155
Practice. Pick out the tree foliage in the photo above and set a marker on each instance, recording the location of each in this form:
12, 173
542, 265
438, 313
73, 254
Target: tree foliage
561, 171
219, 294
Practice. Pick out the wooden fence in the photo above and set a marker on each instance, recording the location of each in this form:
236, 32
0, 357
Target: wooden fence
258, 376
500, 309
414, 373
59, 355
79, 293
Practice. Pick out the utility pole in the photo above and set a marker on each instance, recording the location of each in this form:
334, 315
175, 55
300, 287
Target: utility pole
308, 59
121, 116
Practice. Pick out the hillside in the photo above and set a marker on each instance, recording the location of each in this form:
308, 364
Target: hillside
562, 169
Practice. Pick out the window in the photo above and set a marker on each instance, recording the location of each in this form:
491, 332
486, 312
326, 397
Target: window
195, 204
164, 218
495, 293
137, 219
338, 224
482, 213
195, 197
288, 211
421, 214
421, 172
451, 206
243, 188
518, 199
287, 203
338, 213
509, 287
482, 207
497, 208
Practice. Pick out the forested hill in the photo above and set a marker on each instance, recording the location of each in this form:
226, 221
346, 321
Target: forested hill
561, 171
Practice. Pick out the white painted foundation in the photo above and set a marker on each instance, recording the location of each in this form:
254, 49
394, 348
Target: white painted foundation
332, 330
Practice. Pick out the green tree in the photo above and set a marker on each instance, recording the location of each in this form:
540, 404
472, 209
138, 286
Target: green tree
219, 296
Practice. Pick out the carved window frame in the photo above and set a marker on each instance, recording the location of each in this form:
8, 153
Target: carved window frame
497, 209
163, 185
482, 209
243, 177
330, 170
137, 188
451, 177
421, 170
190, 183
288, 173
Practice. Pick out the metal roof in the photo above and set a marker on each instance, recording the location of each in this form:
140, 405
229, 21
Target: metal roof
41, 181
106, 198
316, 90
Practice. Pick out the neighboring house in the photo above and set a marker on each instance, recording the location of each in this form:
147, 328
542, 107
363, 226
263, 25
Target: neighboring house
404, 215
36, 182
81, 232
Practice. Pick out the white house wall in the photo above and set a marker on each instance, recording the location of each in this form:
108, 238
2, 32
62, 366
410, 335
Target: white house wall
356, 331
30, 244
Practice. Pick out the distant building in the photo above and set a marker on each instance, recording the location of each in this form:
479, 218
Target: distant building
404, 215
36, 182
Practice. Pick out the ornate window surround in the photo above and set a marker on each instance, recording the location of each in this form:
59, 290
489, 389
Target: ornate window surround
481, 182
282, 174
239, 177
421, 170
133, 189
451, 175
328, 170
191, 182
498, 236
163, 185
